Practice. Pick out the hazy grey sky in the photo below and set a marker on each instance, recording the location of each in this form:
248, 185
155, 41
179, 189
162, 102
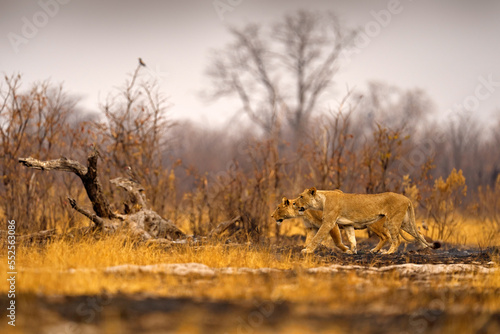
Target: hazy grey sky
442, 47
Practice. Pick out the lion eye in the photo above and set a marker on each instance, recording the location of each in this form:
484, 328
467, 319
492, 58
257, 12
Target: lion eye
301, 196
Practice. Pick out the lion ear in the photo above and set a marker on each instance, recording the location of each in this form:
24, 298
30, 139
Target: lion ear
285, 201
312, 191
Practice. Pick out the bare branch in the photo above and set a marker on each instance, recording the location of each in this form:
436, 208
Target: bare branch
61, 164
134, 190
88, 175
92, 216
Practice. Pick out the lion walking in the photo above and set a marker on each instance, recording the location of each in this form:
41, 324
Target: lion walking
360, 211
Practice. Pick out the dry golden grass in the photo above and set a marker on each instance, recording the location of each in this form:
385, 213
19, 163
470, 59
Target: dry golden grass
336, 291
476, 232
114, 250
44, 270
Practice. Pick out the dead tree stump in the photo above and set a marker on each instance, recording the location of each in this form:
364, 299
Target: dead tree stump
138, 221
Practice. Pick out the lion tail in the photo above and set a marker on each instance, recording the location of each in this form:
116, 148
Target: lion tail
416, 234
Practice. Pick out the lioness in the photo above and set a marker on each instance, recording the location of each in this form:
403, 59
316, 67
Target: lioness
360, 210
313, 220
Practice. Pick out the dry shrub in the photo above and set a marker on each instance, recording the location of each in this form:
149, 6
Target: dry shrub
379, 156
488, 203
40, 122
246, 193
444, 202
487, 210
134, 136
212, 176
329, 154
411, 190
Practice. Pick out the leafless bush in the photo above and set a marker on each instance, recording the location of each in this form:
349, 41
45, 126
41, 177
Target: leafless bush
488, 203
444, 203
34, 121
135, 136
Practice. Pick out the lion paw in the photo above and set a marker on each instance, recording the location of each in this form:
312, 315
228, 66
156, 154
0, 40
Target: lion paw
348, 251
374, 251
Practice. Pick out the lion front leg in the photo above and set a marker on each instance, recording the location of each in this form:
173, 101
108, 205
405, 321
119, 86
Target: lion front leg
349, 231
337, 240
310, 233
319, 237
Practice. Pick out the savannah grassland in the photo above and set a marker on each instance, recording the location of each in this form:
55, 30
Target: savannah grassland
199, 177
62, 287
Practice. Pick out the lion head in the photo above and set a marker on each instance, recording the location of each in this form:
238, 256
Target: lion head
285, 210
307, 200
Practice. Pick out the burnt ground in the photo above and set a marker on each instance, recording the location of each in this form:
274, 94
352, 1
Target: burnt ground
446, 254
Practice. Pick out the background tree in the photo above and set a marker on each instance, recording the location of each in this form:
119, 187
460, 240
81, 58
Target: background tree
283, 70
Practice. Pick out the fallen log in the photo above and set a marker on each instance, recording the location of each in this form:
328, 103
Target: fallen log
139, 221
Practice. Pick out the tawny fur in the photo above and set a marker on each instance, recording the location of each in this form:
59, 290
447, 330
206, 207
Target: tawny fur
313, 219
361, 210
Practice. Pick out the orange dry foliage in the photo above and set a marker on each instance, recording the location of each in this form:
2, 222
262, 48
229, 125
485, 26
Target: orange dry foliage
199, 177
